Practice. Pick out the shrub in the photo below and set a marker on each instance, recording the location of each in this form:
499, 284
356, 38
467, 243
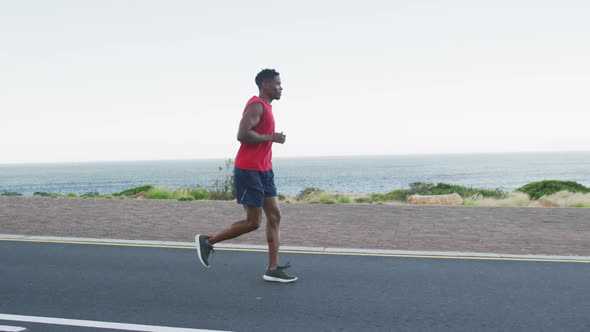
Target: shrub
307, 192
186, 198
222, 195
536, 190
441, 188
90, 194
282, 197
45, 194
224, 189
10, 193
363, 200
134, 191
420, 187
399, 195
426, 188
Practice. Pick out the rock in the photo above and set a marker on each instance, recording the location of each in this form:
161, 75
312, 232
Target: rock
139, 195
544, 202
452, 199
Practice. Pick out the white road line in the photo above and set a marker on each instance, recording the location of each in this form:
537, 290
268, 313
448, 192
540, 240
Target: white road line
97, 324
4, 328
301, 250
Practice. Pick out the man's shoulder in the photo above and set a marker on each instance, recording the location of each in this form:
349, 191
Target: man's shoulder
253, 99
257, 103
256, 99
255, 106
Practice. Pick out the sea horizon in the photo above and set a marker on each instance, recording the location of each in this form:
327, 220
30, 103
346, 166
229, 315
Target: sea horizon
107, 161
338, 174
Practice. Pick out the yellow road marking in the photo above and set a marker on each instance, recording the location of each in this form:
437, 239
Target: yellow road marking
519, 259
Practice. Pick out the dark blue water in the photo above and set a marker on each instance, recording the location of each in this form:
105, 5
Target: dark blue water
335, 174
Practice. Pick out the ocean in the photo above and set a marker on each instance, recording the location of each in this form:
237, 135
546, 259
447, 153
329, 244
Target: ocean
366, 174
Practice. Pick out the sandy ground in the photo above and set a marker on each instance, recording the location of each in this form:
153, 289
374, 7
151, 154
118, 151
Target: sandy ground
547, 231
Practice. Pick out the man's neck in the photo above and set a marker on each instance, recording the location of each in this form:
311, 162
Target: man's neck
265, 98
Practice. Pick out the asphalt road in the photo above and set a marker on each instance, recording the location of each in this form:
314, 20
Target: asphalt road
168, 287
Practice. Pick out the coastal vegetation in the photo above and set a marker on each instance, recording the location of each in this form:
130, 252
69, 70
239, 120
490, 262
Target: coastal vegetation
542, 193
134, 191
536, 190
10, 193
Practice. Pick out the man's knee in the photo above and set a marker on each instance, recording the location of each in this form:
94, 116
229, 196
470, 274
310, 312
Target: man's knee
254, 223
274, 216
254, 218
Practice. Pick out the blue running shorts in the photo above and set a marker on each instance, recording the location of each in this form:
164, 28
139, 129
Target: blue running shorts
253, 186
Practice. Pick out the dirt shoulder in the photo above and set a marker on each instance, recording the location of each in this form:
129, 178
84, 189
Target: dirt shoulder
543, 231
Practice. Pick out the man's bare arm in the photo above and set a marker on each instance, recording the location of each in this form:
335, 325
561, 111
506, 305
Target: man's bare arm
250, 119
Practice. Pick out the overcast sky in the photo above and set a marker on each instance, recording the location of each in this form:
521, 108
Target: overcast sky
149, 80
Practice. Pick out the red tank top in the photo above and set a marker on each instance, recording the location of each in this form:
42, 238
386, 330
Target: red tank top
258, 156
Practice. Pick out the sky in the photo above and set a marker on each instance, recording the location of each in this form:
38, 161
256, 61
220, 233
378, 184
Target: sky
112, 80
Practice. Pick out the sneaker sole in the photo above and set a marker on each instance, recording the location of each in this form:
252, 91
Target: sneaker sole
268, 278
198, 245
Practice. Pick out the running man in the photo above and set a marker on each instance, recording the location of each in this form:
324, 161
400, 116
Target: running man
254, 177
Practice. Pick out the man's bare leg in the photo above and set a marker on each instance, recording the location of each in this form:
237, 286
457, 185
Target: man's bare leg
251, 223
273, 221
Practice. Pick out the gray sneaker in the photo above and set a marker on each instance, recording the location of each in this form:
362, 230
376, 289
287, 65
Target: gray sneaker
204, 249
278, 274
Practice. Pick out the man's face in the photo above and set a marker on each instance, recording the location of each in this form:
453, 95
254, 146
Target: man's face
273, 87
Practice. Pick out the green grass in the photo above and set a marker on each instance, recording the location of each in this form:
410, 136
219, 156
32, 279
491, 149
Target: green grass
200, 194
343, 199
159, 193
326, 198
188, 194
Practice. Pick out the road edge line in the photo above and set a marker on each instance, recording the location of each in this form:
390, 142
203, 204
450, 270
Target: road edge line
297, 249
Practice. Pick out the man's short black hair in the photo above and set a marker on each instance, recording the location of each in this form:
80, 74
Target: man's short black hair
264, 75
